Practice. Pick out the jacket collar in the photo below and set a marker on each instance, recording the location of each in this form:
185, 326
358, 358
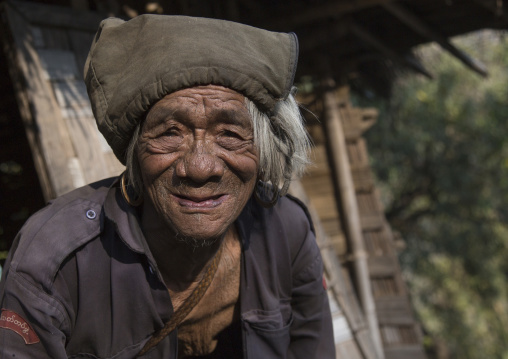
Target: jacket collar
126, 219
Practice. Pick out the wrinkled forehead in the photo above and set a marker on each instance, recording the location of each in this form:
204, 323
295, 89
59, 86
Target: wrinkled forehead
210, 94
218, 103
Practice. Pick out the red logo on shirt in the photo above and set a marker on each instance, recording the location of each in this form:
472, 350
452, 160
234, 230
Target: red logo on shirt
14, 322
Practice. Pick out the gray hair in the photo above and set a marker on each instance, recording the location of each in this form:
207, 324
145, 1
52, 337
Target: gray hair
282, 143
281, 140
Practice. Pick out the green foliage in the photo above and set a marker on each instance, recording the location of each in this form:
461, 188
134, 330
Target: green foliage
440, 152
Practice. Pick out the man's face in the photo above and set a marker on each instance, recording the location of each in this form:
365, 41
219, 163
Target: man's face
198, 161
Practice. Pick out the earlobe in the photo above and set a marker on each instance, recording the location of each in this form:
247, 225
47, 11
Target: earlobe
261, 175
262, 192
123, 187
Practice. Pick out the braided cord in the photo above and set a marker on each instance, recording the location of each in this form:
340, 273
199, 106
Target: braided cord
186, 307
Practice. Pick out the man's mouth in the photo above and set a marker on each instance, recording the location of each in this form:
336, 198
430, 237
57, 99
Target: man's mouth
200, 202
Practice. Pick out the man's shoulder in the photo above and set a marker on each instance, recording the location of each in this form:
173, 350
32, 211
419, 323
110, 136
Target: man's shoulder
294, 214
299, 230
60, 228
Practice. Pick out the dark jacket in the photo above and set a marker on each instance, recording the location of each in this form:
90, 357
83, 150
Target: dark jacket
80, 282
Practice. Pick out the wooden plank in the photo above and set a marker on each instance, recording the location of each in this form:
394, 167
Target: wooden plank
368, 204
385, 287
341, 330
58, 64
371, 222
399, 335
76, 171
368, 349
348, 350
363, 179
325, 206
357, 154
405, 352
332, 227
54, 38
86, 144
394, 310
317, 170
376, 243
391, 335
358, 120
382, 266
317, 184
319, 155
339, 245
57, 16
72, 93
52, 140
37, 37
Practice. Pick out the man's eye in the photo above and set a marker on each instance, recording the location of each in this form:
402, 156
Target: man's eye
231, 140
171, 133
232, 134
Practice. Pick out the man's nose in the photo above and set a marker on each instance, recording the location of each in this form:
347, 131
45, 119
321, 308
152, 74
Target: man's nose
200, 164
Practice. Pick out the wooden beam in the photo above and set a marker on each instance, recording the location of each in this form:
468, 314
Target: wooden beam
376, 43
341, 167
496, 7
322, 36
317, 12
57, 16
419, 26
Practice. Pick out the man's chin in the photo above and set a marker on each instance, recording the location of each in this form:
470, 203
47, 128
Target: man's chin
196, 241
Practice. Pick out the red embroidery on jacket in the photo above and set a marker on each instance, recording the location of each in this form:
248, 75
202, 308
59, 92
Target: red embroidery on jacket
13, 321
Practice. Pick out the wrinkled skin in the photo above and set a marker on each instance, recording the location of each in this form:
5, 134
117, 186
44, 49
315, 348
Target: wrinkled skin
198, 162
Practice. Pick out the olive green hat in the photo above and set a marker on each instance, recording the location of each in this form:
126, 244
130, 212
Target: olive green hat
133, 64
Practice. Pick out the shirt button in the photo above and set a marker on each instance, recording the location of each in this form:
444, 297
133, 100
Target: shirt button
90, 214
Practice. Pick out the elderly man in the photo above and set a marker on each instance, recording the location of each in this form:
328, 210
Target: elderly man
192, 252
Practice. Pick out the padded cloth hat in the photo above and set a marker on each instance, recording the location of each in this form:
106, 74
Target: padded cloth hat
133, 64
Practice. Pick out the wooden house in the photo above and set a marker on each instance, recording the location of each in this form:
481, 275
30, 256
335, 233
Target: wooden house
342, 43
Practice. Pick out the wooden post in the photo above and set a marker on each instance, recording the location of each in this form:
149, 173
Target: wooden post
337, 148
